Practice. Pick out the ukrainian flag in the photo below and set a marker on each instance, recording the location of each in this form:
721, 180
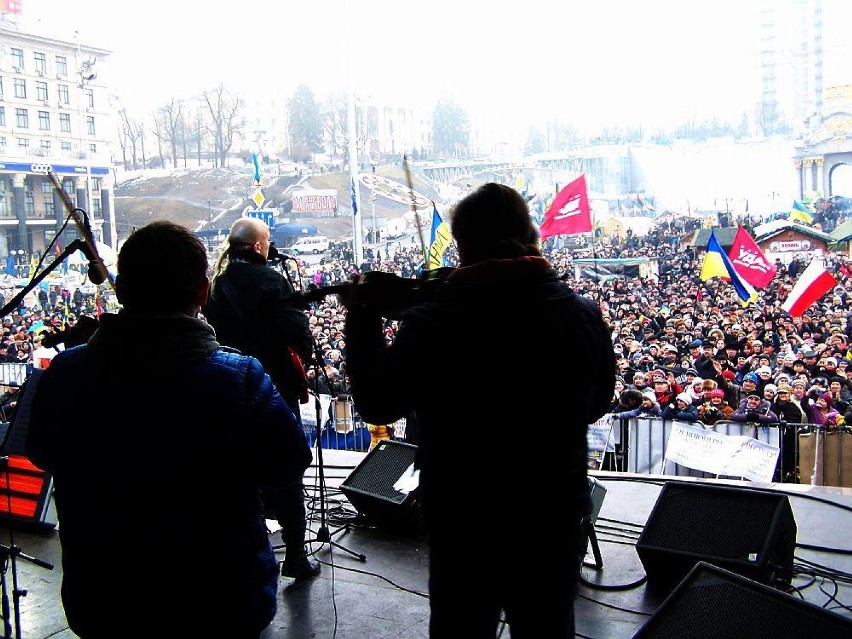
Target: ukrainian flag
439, 240
718, 264
801, 213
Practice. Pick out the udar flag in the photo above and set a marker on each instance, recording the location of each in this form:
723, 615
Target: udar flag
749, 261
570, 213
813, 283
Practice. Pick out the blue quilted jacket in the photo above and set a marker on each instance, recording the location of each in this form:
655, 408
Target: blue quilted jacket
159, 443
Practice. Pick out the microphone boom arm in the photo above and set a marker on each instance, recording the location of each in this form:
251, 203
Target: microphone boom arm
75, 245
90, 248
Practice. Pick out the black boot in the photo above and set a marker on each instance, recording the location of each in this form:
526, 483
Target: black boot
297, 565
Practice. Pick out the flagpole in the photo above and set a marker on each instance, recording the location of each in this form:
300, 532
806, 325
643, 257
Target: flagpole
414, 209
357, 246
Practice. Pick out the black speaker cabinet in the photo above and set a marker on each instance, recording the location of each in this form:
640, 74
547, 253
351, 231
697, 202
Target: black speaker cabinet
749, 532
383, 487
713, 603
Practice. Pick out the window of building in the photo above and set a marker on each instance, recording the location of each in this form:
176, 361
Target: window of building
4, 201
47, 198
93, 149
24, 143
40, 63
44, 121
29, 200
90, 98
1, 86
22, 118
65, 146
90, 124
20, 88
46, 147
18, 58
61, 66
2, 116
65, 122
41, 90
62, 90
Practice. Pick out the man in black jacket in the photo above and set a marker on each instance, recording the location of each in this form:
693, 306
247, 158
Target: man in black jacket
506, 294
254, 309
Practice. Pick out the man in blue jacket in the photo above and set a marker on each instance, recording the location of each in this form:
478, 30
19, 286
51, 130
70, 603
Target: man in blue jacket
158, 489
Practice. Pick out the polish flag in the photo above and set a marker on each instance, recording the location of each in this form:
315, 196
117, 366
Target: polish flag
813, 283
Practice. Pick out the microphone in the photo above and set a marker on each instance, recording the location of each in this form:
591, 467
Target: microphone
274, 254
97, 274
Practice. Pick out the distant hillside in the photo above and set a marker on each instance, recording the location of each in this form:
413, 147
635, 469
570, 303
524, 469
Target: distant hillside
216, 197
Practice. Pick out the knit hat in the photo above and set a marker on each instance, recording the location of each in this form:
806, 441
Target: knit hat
827, 398
751, 377
771, 387
717, 392
785, 388
683, 397
729, 375
649, 394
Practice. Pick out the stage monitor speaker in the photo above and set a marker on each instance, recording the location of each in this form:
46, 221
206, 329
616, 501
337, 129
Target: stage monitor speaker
712, 602
384, 486
749, 532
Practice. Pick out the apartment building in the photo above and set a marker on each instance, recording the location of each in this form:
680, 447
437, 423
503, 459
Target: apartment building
54, 119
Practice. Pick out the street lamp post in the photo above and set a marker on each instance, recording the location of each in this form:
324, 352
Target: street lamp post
373, 197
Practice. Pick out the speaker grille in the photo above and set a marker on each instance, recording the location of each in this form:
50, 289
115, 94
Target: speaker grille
712, 603
370, 487
750, 532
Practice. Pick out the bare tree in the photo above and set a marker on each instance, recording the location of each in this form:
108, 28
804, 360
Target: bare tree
131, 134
167, 124
224, 109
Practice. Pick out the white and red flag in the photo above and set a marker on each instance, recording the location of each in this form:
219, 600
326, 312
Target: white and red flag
570, 212
749, 261
813, 283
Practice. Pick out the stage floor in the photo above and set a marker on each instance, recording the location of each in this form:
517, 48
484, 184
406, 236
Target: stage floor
384, 596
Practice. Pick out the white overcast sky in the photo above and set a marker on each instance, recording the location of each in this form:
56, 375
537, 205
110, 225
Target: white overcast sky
592, 63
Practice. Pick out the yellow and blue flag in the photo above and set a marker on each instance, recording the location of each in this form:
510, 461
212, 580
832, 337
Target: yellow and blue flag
718, 264
439, 240
801, 213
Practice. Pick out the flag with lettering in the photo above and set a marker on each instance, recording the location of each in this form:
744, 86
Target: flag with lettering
749, 261
570, 213
439, 240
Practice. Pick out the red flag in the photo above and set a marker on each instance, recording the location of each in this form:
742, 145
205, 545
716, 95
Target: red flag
570, 213
10, 6
58, 250
749, 261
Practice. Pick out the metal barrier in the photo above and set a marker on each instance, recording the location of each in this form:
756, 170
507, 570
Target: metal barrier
13, 373
825, 456
648, 438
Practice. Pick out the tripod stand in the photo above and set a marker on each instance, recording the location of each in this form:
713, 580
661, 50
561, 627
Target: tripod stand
8, 557
323, 534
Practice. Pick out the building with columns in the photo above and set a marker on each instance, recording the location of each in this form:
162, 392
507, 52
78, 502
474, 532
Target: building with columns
54, 118
826, 145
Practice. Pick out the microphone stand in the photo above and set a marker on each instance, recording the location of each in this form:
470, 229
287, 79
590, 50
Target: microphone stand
323, 534
8, 556
75, 245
